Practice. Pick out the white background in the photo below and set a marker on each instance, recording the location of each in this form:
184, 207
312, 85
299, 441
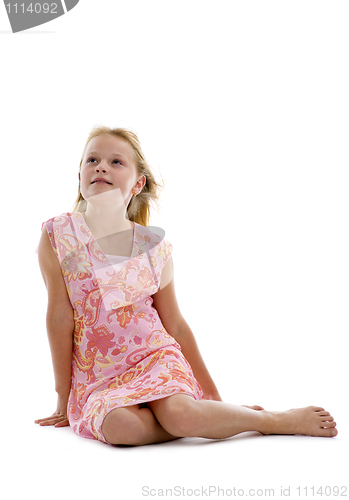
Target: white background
242, 107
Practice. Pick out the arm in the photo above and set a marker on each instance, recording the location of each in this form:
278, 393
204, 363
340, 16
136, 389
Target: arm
60, 328
190, 349
165, 302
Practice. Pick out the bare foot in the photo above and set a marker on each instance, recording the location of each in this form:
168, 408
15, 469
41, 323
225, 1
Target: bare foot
309, 421
254, 407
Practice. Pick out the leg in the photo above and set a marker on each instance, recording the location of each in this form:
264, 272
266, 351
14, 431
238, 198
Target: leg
184, 416
133, 425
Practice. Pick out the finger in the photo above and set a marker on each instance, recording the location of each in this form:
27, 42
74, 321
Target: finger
48, 422
52, 420
41, 420
64, 423
53, 417
46, 418
38, 420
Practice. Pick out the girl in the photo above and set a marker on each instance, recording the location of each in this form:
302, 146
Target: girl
126, 364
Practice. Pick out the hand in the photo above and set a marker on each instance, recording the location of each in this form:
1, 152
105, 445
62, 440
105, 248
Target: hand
58, 418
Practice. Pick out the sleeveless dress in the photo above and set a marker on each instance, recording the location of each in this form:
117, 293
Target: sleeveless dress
122, 354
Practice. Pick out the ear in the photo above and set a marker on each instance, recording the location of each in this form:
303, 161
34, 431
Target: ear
142, 180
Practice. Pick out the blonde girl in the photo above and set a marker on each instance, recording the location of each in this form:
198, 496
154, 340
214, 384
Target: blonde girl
126, 363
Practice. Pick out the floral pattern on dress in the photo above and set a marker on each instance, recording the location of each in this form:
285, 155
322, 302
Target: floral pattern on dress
122, 354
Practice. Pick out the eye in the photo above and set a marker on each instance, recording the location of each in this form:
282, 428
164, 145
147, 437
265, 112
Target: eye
90, 159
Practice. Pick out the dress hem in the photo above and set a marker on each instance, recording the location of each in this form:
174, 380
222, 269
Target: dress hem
161, 396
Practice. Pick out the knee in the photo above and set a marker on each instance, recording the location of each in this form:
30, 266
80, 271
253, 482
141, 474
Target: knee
178, 416
120, 428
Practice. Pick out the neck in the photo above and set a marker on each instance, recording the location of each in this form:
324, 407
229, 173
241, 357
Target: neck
105, 220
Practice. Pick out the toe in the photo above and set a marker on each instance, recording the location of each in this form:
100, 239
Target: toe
328, 424
317, 408
327, 419
328, 432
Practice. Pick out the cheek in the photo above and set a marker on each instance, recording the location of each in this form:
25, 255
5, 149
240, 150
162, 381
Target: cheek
84, 182
122, 179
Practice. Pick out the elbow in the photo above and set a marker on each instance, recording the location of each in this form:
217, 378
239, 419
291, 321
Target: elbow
58, 320
59, 310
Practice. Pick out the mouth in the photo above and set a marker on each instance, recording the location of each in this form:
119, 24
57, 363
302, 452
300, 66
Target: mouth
100, 182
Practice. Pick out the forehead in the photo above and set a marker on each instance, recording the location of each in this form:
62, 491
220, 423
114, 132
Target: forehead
108, 144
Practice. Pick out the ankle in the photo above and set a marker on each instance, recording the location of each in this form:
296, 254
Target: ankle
271, 422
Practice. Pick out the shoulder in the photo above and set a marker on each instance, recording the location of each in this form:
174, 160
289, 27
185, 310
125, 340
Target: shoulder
154, 233
59, 220
151, 237
151, 240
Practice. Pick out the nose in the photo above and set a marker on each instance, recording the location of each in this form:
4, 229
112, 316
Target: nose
101, 166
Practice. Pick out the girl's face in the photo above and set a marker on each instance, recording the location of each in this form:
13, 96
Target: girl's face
110, 158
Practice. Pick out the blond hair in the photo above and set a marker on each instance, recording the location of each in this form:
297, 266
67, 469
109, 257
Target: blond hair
138, 209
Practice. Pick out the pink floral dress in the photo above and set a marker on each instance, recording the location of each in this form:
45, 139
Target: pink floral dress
122, 354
